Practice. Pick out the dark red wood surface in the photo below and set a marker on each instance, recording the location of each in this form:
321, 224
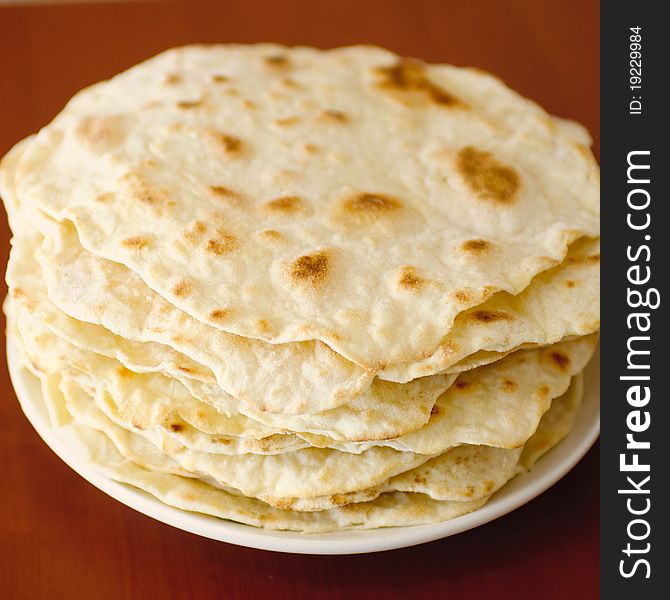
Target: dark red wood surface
62, 538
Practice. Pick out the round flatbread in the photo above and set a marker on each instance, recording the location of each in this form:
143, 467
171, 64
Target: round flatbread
348, 196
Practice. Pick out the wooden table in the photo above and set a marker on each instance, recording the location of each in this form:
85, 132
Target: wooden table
62, 538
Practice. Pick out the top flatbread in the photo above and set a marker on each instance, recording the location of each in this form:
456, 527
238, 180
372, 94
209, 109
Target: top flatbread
347, 196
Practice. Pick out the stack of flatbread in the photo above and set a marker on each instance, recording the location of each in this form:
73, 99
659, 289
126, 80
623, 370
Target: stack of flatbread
303, 289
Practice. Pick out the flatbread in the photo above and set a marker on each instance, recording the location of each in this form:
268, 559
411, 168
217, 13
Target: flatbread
303, 289
389, 509
150, 399
560, 303
493, 406
499, 404
365, 204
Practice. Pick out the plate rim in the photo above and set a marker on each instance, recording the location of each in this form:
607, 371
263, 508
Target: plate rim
550, 469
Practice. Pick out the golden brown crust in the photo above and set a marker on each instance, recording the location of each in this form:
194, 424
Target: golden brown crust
408, 78
310, 270
487, 177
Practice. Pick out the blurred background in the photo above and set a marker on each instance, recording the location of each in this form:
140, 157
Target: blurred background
60, 537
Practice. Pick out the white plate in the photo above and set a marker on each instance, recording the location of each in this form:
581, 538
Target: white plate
520, 490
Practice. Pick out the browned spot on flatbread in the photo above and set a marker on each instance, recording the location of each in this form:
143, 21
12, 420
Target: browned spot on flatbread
219, 78
224, 193
333, 116
270, 235
195, 231
222, 244
143, 192
229, 143
176, 427
220, 314
419, 480
264, 326
172, 79
333, 336
476, 246
311, 269
560, 360
277, 61
23, 297
286, 177
408, 78
487, 177
104, 197
584, 151
287, 121
182, 288
462, 384
445, 350
371, 204
18, 292
367, 208
187, 498
101, 133
290, 83
409, 279
188, 104
488, 486
344, 499
490, 316
135, 243
435, 410
461, 296
186, 370
285, 205
543, 391
509, 385
280, 503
